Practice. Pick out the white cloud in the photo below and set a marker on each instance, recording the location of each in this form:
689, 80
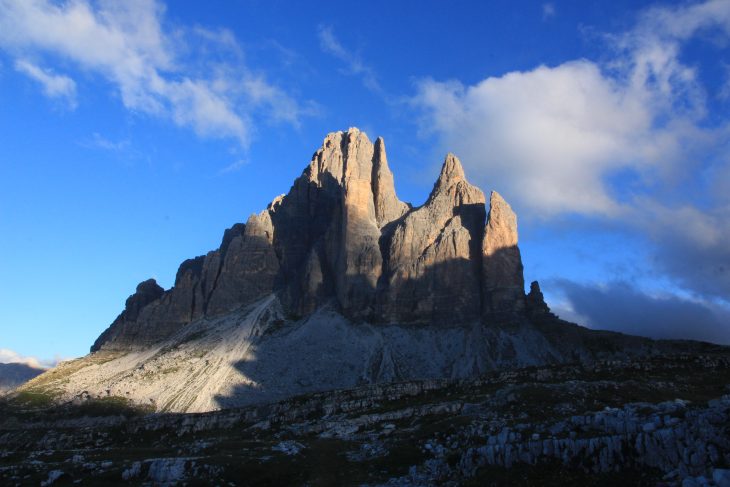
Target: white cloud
8, 356
54, 85
128, 44
329, 43
548, 11
553, 137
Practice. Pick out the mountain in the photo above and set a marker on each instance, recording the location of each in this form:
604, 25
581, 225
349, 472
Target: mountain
336, 284
342, 235
13, 375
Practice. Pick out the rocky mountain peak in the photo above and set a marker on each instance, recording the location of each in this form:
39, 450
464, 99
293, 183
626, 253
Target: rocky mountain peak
387, 205
451, 170
341, 235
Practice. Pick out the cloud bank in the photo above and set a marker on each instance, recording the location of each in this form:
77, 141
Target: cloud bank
157, 69
553, 136
617, 306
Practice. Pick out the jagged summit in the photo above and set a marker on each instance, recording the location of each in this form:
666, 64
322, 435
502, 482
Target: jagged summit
342, 233
451, 170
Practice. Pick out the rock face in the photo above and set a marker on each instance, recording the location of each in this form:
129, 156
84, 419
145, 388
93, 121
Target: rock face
433, 261
503, 282
126, 326
342, 236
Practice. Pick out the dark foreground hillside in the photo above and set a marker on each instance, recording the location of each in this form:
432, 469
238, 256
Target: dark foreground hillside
657, 421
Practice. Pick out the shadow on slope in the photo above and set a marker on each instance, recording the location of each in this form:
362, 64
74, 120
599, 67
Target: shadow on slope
328, 351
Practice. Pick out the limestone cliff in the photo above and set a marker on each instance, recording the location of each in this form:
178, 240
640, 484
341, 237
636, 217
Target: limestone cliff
342, 236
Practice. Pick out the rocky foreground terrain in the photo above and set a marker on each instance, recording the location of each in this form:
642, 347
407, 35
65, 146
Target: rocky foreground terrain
662, 420
344, 337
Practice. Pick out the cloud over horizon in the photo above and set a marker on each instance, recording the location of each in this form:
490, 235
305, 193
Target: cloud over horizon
618, 306
8, 356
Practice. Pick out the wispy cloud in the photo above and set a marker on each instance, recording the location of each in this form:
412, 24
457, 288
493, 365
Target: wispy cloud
8, 356
233, 167
98, 141
54, 85
161, 70
352, 61
548, 11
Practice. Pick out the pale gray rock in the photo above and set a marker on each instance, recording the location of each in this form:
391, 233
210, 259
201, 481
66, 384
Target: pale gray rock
387, 205
503, 282
432, 264
721, 477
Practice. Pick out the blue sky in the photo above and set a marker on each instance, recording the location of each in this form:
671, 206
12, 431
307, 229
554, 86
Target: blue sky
133, 133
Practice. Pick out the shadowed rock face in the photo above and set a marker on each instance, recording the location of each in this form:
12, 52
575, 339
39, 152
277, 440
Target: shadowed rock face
502, 279
535, 302
433, 266
342, 235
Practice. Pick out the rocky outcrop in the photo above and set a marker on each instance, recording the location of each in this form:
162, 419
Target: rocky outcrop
659, 420
535, 302
342, 236
328, 228
125, 325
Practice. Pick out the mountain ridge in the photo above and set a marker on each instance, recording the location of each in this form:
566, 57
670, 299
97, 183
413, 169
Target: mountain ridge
14, 374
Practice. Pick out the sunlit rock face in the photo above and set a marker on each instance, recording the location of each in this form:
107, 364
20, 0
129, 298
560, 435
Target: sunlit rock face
341, 237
